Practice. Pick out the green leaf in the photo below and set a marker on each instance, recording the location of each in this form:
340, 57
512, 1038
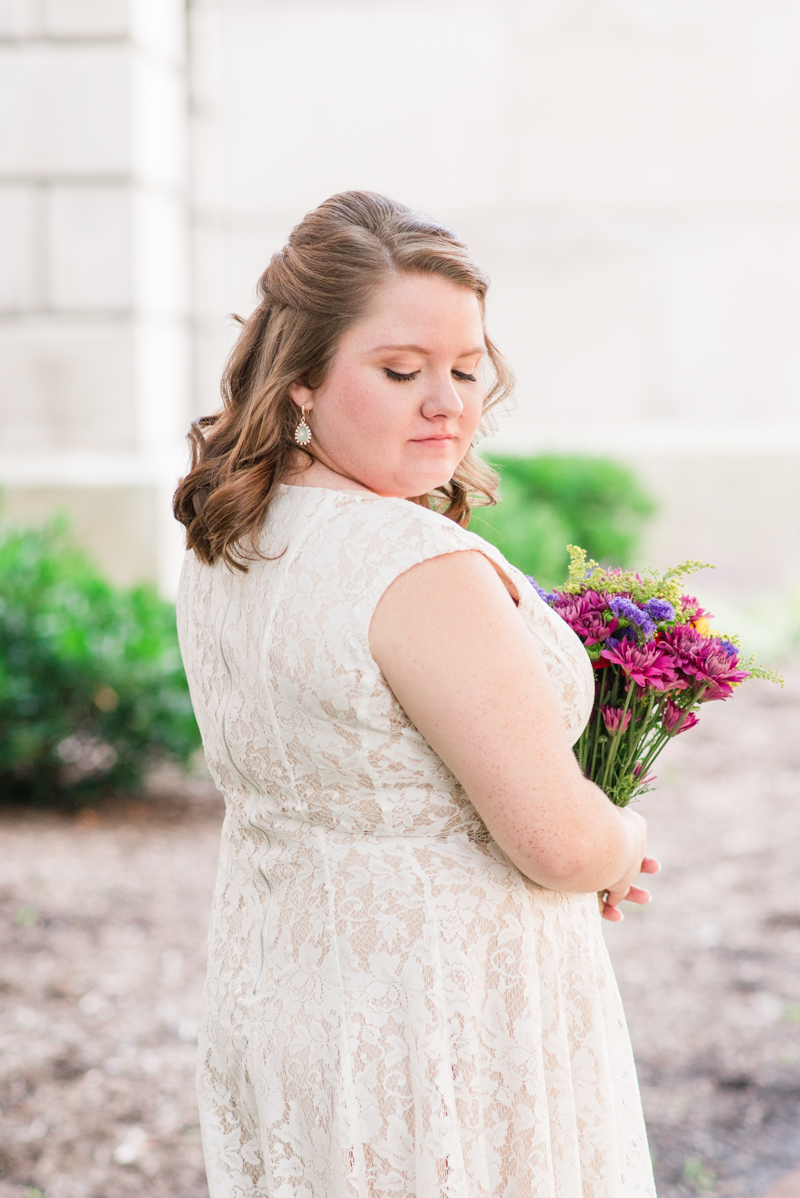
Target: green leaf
552, 500
68, 641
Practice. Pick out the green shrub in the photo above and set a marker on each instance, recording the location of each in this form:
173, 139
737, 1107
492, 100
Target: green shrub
92, 689
552, 501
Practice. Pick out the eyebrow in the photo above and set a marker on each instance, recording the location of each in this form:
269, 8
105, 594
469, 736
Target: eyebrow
418, 349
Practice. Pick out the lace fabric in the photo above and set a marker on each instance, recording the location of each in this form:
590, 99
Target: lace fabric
392, 1008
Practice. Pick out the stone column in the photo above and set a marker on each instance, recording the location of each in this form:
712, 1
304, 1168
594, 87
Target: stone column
94, 298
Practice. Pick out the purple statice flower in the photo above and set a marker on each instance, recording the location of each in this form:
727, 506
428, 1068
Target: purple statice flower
729, 648
548, 596
648, 628
585, 615
677, 719
660, 609
612, 717
625, 609
624, 634
703, 661
647, 665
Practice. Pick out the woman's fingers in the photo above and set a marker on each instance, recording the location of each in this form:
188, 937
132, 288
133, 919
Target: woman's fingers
629, 894
634, 894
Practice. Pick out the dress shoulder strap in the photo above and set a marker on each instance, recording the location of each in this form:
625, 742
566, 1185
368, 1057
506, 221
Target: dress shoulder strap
378, 540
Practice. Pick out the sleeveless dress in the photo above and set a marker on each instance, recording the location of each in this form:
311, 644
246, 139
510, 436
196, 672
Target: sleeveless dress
391, 1009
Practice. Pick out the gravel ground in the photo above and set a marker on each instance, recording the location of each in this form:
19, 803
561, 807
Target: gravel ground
710, 973
102, 957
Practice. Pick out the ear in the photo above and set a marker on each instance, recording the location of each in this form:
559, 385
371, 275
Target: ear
303, 396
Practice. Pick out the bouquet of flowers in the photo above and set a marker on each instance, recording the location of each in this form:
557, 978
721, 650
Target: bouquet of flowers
656, 661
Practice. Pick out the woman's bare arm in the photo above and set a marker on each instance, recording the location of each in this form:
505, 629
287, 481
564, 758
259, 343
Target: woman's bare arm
457, 655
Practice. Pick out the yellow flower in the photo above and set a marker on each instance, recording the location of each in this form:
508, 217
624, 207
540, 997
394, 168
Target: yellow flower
703, 626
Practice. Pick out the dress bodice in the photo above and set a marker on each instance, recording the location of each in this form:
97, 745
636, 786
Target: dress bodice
293, 709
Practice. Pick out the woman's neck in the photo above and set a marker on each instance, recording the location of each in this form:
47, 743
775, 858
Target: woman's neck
317, 474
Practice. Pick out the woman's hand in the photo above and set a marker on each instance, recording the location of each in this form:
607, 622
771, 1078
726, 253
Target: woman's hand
623, 889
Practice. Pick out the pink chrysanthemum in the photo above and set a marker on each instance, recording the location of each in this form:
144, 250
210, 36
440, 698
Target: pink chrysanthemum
703, 661
612, 717
677, 719
647, 665
691, 607
584, 614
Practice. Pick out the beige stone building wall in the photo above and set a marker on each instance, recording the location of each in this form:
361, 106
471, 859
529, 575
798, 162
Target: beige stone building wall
628, 171
95, 335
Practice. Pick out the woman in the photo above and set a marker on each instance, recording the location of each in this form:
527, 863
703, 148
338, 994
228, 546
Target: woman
408, 992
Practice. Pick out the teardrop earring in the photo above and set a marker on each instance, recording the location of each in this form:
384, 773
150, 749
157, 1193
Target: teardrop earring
302, 434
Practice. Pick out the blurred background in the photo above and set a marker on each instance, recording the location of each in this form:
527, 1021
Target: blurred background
628, 171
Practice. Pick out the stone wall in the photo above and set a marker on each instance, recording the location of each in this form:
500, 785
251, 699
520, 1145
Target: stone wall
94, 327
626, 169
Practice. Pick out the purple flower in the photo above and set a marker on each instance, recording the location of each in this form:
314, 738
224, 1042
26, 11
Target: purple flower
660, 609
677, 719
548, 596
729, 648
647, 665
612, 717
625, 634
626, 609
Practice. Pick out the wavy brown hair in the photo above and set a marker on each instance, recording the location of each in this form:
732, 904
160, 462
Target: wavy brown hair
309, 295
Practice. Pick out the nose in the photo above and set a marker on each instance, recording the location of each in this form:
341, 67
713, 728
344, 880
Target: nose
442, 398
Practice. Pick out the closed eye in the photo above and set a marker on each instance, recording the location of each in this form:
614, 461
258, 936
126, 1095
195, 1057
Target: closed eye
465, 378
400, 378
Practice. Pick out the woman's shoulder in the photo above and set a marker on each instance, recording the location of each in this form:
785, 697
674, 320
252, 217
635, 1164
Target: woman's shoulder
377, 522
399, 529
364, 541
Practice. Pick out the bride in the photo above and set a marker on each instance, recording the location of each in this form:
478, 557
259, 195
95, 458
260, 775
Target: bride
408, 991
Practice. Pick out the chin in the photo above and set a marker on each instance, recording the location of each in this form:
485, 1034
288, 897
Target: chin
430, 484
407, 484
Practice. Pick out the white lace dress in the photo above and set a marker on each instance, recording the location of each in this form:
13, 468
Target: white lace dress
392, 1009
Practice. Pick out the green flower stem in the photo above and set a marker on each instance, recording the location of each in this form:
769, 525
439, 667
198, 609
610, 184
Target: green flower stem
653, 751
635, 741
598, 722
612, 749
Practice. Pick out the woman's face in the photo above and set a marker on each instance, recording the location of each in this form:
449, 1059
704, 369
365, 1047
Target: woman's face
404, 395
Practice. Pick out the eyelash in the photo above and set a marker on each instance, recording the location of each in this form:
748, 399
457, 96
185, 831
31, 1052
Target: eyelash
406, 378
